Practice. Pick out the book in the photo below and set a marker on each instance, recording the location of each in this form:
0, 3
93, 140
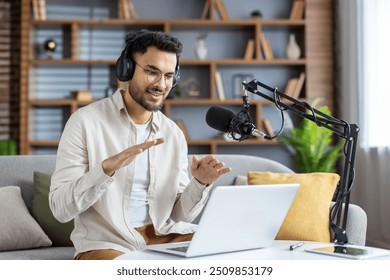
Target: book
297, 10
268, 128
266, 47
35, 9
300, 10
133, 11
180, 124
299, 85
42, 9
250, 49
120, 9
270, 53
219, 85
290, 87
258, 50
125, 9
82, 95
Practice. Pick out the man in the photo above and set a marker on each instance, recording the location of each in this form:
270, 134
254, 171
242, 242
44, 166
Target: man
121, 170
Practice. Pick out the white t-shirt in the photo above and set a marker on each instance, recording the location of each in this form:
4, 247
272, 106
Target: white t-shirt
139, 208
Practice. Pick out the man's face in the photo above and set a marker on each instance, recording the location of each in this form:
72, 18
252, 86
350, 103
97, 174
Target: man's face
152, 79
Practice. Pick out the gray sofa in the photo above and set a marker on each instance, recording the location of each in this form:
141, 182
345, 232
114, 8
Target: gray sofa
18, 171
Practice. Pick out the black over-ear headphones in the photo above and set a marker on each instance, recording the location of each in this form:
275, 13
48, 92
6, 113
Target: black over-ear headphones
125, 66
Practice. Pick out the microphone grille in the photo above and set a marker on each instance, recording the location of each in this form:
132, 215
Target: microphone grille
219, 118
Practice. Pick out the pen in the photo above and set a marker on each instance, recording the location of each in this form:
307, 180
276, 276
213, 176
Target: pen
293, 247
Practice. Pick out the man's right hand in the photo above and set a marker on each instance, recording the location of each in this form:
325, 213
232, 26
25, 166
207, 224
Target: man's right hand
115, 162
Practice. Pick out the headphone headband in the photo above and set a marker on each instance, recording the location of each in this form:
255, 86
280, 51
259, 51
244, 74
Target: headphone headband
125, 65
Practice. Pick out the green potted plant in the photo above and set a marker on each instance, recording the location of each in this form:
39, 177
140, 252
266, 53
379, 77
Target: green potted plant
312, 147
8, 147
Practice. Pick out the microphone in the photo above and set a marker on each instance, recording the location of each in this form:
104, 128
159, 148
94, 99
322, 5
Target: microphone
225, 120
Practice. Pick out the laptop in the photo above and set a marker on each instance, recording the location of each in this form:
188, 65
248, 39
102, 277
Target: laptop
236, 218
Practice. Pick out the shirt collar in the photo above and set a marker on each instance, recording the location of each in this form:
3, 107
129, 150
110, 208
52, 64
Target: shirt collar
120, 105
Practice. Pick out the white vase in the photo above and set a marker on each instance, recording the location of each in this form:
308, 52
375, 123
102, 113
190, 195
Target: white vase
201, 49
293, 51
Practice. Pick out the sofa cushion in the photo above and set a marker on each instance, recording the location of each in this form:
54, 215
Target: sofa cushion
308, 216
59, 233
18, 228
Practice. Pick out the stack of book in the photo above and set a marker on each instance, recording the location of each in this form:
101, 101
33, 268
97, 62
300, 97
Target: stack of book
266, 47
39, 9
294, 86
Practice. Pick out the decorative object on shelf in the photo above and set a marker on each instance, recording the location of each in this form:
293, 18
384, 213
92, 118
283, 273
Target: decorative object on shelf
256, 14
214, 9
191, 88
50, 46
237, 83
82, 95
293, 51
200, 47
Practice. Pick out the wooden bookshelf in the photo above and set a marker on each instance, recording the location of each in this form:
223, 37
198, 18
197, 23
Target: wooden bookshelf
319, 72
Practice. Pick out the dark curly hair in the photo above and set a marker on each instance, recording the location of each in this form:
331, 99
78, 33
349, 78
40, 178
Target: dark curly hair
139, 41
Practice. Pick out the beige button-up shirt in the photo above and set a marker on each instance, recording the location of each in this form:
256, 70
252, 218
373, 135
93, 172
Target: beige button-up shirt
98, 203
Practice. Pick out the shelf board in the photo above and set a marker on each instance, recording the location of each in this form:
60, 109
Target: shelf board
176, 23
70, 61
188, 62
57, 102
44, 143
245, 62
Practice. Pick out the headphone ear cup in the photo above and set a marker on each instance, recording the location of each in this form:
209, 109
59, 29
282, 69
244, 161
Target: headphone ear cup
176, 77
124, 68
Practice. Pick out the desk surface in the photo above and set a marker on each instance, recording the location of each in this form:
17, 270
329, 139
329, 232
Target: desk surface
280, 250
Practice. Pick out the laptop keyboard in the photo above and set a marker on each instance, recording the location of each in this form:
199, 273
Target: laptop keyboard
180, 248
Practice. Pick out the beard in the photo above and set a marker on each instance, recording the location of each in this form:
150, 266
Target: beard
141, 97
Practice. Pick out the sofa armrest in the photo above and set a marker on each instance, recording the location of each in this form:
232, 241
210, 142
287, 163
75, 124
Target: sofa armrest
356, 225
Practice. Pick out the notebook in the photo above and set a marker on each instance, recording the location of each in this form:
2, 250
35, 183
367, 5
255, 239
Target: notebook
236, 218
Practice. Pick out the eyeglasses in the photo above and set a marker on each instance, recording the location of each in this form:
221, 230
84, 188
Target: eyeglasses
155, 75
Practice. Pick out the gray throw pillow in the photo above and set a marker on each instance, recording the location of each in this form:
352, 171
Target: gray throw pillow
18, 228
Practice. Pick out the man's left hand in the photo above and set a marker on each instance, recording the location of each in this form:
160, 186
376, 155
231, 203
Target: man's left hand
208, 169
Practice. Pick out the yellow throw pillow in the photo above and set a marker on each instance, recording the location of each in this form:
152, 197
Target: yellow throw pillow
308, 216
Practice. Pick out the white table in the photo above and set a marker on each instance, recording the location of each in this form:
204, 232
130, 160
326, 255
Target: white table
280, 250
